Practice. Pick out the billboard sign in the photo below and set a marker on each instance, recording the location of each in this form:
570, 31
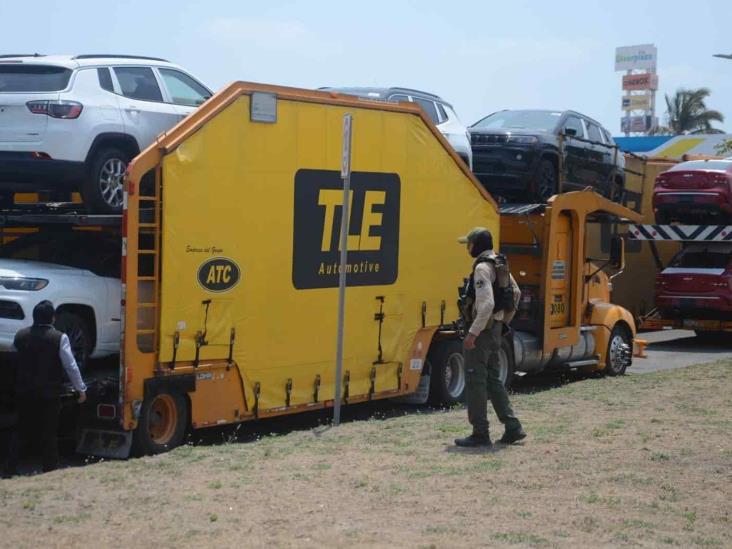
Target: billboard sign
636, 103
645, 81
641, 57
637, 124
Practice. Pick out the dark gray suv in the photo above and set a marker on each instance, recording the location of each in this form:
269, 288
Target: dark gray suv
520, 154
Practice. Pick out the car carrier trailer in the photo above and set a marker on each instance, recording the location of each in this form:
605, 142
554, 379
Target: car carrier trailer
704, 312
230, 270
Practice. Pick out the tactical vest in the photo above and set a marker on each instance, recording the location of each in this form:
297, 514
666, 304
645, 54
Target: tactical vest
40, 371
502, 288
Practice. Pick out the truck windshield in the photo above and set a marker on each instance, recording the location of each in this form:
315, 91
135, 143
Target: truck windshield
519, 120
701, 260
33, 78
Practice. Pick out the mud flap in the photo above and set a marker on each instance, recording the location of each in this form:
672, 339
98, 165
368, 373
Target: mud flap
108, 444
420, 396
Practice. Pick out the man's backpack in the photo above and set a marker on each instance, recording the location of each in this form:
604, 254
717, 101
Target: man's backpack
502, 288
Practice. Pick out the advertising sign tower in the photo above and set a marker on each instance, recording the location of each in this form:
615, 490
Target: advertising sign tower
640, 83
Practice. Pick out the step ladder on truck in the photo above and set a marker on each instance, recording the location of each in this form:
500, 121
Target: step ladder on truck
702, 304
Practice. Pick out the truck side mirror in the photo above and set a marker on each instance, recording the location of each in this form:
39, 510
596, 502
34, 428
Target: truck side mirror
617, 253
570, 132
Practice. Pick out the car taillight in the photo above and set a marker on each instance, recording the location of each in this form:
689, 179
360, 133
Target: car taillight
56, 109
661, 181
660, 282
720, 179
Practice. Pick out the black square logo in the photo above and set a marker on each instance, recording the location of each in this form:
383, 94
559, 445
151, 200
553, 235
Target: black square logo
373, 229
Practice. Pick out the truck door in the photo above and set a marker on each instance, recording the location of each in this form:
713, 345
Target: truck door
559, 290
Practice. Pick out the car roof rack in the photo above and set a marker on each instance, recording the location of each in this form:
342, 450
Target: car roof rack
117, 56
8, 55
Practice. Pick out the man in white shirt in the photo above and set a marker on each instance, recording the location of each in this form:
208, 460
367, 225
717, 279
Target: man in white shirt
482, 345
44, 354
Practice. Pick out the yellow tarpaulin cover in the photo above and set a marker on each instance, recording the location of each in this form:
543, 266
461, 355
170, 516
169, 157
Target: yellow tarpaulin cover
251, 221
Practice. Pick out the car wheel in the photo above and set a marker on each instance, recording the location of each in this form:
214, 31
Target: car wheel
103, 189
617, 192
448, 373
547, 184
79, 334
619, 352
162, 423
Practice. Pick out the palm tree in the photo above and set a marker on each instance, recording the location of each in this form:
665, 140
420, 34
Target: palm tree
687, 112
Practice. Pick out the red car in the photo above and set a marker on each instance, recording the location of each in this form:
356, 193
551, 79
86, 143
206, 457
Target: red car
697, 283
692, 192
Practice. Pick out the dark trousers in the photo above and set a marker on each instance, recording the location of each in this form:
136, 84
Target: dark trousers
482, 370
37, 425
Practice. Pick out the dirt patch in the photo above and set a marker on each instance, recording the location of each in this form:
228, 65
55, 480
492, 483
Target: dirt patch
633, 461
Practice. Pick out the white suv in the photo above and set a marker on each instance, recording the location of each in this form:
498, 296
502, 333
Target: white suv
74, 122
436, 108
78, 271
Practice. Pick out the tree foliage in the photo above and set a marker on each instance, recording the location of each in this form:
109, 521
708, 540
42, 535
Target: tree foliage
687, 112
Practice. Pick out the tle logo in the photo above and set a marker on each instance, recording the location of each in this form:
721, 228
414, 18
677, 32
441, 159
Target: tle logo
372, 238
219, 274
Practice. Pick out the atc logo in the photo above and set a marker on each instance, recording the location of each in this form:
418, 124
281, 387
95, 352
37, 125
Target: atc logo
373, 229
218, 274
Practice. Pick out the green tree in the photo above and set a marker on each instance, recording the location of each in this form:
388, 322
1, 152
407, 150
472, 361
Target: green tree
687, 112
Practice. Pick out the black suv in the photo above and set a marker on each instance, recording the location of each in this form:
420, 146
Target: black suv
520, 154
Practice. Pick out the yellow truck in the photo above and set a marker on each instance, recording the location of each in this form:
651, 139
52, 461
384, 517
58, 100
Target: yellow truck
230, 269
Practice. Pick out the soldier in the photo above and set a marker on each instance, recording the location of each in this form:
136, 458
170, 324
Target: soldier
488, 303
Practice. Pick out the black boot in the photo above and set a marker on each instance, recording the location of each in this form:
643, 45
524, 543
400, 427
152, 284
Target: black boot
473, 441
512, 436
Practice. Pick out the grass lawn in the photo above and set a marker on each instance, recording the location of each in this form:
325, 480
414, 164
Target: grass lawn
641, 460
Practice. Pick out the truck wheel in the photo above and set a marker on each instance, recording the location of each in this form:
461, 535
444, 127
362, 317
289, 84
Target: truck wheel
547, 184
508, 368
79, 335
103, 187
162, 423
619, 352
448, 373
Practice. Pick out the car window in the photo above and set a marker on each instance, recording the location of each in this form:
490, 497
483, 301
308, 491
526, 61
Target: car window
429, 108
33, 78
574, 123
105, 79
443, 113
519, 120
138, 83
593, 132
608, 137
183, 89
705, 259
398, 98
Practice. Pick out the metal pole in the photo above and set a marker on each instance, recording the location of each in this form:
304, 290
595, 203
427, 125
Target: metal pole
345, 216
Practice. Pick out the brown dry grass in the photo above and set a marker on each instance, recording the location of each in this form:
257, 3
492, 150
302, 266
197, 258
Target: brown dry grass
635, 461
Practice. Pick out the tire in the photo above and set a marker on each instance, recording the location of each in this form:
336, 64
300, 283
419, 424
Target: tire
162, 423
619, 351
508, 366
79, 334
447, 384
103, 187
617, 192
546, 185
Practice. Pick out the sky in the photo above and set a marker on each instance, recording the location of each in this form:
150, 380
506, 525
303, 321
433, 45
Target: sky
481, 56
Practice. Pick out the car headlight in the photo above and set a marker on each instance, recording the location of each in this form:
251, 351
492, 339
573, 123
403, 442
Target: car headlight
26, 284
523, 139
